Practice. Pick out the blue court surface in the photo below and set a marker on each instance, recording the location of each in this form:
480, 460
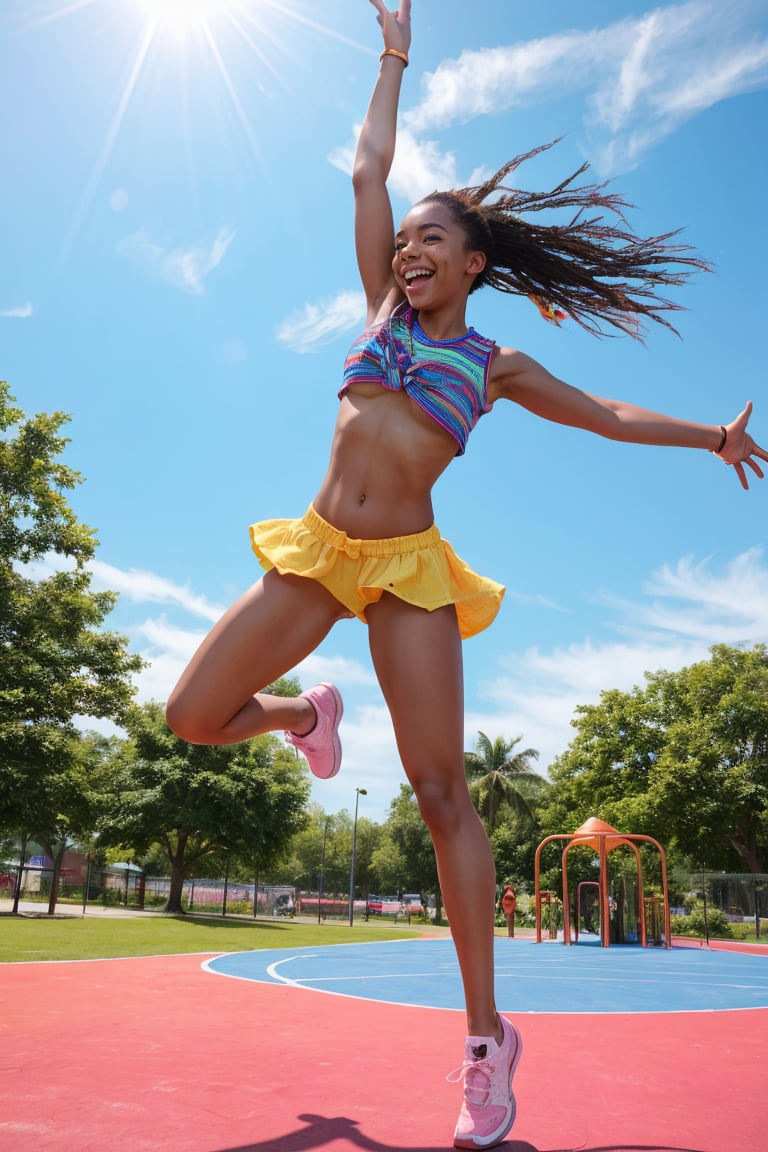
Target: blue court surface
535, 978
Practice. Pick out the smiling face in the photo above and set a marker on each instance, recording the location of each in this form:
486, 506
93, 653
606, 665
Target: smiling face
433, 263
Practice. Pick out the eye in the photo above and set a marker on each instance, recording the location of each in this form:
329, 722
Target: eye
399, 245
430, 237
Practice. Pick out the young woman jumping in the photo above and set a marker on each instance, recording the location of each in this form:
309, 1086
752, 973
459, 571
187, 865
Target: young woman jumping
414, 385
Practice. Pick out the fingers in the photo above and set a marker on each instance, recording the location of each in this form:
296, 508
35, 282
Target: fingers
399, 19
745, 447
739, 470
738, 426
744, 415
403, 13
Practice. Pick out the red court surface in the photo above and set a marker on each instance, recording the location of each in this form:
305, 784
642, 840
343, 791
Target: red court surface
154, 1053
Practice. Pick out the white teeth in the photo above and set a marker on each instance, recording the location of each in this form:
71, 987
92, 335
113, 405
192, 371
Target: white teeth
412, 273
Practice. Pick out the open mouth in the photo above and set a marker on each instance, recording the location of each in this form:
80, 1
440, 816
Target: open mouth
417, 277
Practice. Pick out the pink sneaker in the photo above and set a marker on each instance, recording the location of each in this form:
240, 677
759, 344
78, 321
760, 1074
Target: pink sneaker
488, 1111
322, 746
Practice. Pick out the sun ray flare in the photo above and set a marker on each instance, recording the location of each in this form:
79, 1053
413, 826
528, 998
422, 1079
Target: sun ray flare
98, 168
154, 43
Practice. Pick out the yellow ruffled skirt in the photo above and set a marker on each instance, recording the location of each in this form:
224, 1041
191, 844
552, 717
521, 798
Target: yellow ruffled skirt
421, 569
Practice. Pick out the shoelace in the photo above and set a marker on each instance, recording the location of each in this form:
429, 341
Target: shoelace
484, 1068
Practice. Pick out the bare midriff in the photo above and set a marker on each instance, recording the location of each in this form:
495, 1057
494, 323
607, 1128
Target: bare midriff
385, 458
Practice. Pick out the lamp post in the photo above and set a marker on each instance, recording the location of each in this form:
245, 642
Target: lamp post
321, 877
358, 793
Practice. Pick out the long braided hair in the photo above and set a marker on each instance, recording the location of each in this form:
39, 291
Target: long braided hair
590, 269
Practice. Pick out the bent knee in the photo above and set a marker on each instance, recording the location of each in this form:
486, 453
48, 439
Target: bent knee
187, 723
443, 805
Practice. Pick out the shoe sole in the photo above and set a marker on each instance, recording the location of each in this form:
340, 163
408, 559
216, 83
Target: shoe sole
336, 742
497, 1137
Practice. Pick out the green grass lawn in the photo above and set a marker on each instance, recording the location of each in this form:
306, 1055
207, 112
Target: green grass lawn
90, 938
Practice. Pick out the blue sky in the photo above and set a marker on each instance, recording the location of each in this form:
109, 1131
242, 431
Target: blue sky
177, 273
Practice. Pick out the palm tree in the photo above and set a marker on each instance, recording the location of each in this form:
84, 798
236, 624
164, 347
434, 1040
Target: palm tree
494, 776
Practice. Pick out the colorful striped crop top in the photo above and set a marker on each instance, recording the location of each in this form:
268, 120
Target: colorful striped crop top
448, 379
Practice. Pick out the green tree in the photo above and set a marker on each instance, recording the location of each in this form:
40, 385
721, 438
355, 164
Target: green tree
499, 778
605, 770
57, 663
684, 759
65, 811
241, 802
514, 843
408, 834
324, 843
285, 686
389, 866
369, 838
709, 788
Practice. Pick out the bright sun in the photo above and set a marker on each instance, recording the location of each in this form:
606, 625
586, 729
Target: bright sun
179, 16
205, 32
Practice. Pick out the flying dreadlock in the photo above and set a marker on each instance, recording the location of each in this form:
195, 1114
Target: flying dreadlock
588, 269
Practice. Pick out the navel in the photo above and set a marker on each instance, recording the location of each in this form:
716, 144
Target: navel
362, 498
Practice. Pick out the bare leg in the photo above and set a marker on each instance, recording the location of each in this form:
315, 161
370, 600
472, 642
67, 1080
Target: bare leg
418, 660
262, 636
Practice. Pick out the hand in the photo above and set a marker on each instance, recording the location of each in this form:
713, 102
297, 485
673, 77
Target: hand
395, 26
739, 447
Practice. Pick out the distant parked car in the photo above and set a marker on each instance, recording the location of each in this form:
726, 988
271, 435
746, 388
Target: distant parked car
284, 905
412, 904
383, 906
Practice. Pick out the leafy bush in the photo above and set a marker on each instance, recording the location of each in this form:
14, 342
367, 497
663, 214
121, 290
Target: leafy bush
717, 923
240, 907
111, 897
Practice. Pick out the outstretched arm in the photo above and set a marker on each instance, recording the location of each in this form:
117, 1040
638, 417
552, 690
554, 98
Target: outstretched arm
374, 227
517, 377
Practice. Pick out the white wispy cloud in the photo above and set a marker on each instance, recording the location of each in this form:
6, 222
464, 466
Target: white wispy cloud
686, 608
315, 325
134, 584
184, 268
535, 601
371, 761
640, 77
683, 609
488, 81
734, 603
141, 587
419, 166
683, 60
21, 312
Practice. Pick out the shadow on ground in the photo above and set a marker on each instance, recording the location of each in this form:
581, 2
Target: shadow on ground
323, 1130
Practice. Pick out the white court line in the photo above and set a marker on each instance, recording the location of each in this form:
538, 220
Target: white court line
703, 981
272, 969
312, 981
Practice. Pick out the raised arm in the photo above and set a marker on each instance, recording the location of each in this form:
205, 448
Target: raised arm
374, 226
517, 377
